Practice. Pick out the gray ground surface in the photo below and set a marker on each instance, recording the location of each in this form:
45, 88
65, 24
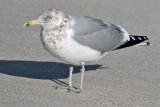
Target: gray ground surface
28, 73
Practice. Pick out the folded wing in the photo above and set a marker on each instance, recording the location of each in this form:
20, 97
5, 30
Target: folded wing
98, 34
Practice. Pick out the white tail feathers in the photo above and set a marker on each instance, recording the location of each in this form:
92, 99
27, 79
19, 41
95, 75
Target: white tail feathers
144, 44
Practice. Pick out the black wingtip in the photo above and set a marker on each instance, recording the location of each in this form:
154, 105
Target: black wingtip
134, 40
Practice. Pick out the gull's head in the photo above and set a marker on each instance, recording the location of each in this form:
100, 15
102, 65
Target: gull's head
51, 17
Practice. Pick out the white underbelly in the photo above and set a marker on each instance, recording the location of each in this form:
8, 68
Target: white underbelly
72, 52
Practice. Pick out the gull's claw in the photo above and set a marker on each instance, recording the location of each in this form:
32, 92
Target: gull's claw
75, 90
70, 88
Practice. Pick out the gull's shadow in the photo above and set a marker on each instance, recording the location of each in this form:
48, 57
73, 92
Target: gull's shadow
40, 70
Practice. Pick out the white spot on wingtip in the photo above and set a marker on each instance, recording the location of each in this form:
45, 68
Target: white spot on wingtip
145, 37
133, 38
139, 38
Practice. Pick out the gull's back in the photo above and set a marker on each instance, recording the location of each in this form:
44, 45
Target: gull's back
98, 34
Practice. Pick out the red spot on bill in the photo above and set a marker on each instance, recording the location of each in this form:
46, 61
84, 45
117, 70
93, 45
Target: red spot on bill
28, 25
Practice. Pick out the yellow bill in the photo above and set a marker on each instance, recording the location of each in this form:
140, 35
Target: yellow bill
31, 22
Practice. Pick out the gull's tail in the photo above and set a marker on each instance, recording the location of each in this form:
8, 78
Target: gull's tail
135, 41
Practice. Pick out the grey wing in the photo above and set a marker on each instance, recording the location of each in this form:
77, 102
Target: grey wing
97, 34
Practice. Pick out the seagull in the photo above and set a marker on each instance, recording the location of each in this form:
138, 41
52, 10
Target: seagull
79, 40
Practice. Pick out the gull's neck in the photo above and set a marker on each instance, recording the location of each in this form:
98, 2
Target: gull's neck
58, 27
57, 31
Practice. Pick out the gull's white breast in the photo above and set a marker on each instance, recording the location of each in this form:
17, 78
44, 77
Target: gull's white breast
69, 50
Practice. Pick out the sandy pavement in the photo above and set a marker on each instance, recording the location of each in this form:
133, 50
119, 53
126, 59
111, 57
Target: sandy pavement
124, 78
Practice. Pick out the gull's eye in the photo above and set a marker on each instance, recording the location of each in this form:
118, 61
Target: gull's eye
47, 17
